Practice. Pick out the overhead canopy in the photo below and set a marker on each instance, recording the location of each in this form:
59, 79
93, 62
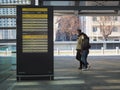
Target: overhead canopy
85, 7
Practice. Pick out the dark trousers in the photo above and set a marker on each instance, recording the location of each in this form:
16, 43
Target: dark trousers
78, 57
84, 55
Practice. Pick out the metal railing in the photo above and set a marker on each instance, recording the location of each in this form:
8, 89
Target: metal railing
101, 51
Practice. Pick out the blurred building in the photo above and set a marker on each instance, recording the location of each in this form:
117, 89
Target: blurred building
94, 25
8, 18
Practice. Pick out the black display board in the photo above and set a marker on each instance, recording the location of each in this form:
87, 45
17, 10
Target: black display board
34, 43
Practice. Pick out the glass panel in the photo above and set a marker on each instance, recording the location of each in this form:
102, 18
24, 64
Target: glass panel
7, 11
102, 30
99, 28
7, 22
7, 34
58, 3
15, 1
5, 62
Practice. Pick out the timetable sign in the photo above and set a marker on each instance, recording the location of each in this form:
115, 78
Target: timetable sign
34, 30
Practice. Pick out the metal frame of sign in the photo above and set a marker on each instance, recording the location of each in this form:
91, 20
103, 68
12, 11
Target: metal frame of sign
34, 43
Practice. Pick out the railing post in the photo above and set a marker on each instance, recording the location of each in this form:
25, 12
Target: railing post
117, 50
102, 50
57, 51
72, 51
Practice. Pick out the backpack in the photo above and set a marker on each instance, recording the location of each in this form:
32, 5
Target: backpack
85, 43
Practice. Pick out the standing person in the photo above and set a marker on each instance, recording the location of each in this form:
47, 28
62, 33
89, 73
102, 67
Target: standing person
85, 46
82, 49
78, 49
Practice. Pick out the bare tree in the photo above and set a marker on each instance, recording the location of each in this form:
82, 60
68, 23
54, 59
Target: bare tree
106, 24
68, 24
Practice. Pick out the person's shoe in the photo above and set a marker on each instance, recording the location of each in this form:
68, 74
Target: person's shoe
84, 69
88, 67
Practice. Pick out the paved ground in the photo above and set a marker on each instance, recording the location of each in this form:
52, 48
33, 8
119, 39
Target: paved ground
103, 75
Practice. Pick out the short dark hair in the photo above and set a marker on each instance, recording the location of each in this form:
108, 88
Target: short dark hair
79, 30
